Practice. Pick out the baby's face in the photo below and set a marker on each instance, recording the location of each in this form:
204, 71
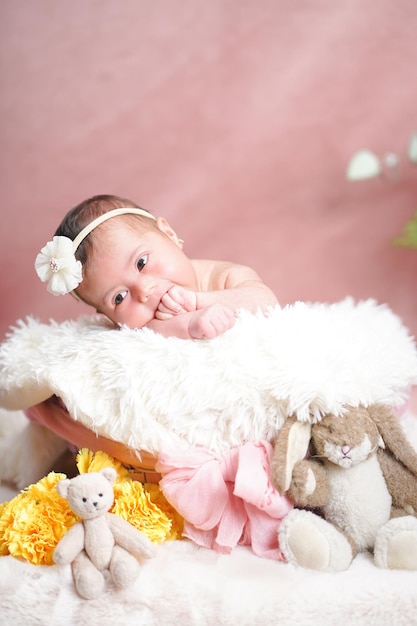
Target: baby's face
132, 268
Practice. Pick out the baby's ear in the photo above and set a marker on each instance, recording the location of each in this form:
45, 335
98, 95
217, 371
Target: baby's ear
63, 486
168, 231
109, 474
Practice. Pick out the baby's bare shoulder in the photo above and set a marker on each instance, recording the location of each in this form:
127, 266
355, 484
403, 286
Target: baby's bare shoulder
214, 275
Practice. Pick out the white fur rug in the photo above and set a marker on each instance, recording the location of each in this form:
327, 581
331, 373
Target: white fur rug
191, 586
188, 586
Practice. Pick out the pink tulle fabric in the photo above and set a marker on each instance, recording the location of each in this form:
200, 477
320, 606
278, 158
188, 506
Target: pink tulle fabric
226, 500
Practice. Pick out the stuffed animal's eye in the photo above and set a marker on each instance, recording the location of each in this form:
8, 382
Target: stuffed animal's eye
100, 495
84, 499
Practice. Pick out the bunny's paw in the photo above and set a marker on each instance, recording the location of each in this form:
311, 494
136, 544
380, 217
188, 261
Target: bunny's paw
309, 541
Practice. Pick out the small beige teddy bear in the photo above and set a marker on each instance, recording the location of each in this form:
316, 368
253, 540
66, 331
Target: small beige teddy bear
362, 476
100, 541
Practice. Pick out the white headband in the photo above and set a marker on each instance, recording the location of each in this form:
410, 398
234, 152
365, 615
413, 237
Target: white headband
56, 262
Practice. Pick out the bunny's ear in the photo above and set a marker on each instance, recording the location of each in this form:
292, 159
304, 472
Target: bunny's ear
393, 436
291, 446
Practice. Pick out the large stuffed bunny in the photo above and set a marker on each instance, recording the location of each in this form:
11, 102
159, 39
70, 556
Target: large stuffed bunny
362, 475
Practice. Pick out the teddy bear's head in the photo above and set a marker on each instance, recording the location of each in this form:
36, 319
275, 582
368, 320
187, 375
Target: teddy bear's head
89, 495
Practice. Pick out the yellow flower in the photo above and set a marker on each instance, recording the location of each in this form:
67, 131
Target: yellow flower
5, 521
177, 521
88, 461
133, 503
35, 520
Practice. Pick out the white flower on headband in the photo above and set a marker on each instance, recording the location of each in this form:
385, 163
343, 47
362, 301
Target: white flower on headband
57, 264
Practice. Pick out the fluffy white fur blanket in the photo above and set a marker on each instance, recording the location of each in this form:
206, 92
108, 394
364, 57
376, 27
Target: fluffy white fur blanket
153, 393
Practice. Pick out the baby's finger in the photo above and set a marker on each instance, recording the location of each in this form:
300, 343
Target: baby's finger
169, 304
160, 315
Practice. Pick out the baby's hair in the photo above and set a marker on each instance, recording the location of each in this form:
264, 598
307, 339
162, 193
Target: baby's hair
84, 213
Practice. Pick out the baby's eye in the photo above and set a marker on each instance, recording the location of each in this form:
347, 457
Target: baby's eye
120, 297
142, 262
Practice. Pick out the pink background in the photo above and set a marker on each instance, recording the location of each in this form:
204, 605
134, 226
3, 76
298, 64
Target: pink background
233, 118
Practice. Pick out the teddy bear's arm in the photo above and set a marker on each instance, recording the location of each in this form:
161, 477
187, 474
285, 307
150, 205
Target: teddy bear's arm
71, 544
130, 538
309, 484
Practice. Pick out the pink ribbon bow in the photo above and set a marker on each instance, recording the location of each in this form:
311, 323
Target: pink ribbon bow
226, 500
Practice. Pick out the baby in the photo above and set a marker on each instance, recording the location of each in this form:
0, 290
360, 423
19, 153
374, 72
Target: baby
130, 266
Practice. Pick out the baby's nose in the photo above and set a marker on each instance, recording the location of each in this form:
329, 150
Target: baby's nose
145, 288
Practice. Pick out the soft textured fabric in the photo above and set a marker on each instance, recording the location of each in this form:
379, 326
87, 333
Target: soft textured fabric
226, 500
52, 414
157, 394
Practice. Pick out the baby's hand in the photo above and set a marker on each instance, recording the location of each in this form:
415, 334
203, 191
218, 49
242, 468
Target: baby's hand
211, 322
175, 301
